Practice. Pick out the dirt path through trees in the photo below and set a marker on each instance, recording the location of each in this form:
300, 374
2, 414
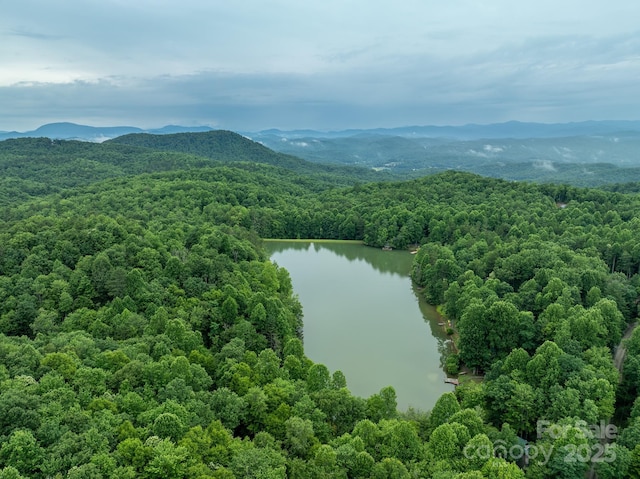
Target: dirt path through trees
621, 350
618, 361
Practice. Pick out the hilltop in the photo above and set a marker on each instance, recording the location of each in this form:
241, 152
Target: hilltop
228, 146
31, 167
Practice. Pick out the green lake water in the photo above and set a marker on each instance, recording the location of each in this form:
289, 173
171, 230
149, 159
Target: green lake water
363, 316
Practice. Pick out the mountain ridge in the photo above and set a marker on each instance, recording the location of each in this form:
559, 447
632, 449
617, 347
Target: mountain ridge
509, 129
473, 131
230, 146
74, 131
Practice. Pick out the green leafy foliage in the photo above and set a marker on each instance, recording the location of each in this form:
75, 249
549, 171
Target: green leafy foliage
144, 333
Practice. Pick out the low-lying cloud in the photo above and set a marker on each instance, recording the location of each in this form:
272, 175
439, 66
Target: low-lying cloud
544, 165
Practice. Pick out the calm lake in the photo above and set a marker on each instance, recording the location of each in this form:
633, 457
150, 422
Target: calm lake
363, 316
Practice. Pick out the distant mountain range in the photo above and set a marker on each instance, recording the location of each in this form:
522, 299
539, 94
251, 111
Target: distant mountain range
510, 129
72, 131
585, 153
591, 159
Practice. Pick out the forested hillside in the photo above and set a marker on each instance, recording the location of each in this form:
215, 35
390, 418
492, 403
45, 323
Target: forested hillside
579, 157
228, 146
32, 167
144, 332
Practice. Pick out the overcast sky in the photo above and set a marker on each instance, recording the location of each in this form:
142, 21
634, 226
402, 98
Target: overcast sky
329, 64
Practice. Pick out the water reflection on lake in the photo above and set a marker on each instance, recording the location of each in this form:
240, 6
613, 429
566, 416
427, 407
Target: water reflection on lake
363, 316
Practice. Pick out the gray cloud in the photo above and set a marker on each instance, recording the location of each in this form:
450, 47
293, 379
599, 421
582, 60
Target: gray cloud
249, 64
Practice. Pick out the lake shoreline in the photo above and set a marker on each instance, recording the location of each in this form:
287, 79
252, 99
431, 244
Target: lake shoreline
313, 240
364, 317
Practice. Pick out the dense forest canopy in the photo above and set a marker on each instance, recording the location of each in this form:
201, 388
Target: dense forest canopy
144, 332
32, 167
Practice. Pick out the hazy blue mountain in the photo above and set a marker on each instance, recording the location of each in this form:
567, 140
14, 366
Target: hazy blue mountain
579, 160
73, 131
516, 129
67, 131
401, 153
170, 129
510, 129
